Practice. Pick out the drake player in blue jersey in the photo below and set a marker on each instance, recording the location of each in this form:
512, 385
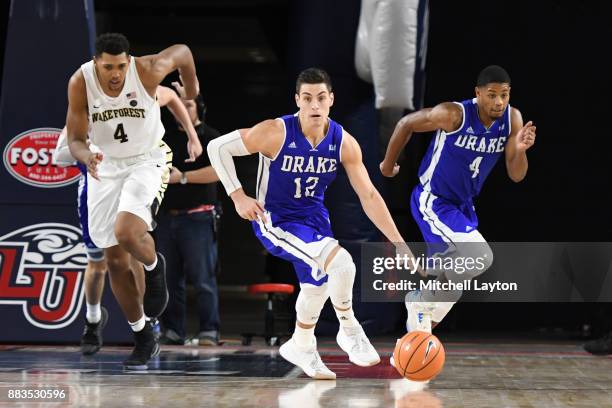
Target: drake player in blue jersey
470, 137
298, 159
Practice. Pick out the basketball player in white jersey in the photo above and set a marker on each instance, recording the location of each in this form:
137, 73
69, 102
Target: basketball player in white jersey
114, 95
96, 315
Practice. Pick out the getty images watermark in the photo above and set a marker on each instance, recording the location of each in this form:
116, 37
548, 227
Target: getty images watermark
488, 272
474, 271
415, 266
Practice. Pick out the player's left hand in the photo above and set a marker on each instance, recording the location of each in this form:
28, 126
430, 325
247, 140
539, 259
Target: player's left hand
180, 89
184, 94
194, 148
525, 138
402, 249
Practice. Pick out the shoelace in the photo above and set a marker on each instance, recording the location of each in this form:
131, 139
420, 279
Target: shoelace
360, 342
420, 304
317, 363
90, 331
89, 334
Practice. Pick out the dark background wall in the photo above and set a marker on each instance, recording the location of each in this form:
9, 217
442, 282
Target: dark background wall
553, 50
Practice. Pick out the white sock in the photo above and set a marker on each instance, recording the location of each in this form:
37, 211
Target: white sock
152, 266
303, 337
94, 313
138, 325
346, 318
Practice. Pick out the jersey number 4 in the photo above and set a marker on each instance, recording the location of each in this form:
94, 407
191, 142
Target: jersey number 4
311, 183
120, 134
475, 166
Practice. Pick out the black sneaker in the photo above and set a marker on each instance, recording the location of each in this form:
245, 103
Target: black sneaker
91, 341
145, 347
156, 292
601, 346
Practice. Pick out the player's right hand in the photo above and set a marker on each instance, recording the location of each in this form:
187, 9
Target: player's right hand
194, 149
387, 172
92, 164
247, 207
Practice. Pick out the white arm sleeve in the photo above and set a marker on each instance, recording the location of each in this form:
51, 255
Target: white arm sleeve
220, 152
61, 154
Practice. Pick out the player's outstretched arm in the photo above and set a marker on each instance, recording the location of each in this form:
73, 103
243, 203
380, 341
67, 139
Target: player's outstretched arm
203, 175
168, 98
152, 69
77, 123
265, 138
446, 116
371, 200
522, 137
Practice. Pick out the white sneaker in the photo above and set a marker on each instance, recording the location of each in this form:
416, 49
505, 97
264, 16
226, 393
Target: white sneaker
308, 360
391, 360
419, 312
355, 343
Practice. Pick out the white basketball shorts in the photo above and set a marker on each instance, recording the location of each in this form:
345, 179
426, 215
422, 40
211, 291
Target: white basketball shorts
132, 184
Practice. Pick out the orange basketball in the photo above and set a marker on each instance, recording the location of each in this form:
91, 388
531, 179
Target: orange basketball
419, 356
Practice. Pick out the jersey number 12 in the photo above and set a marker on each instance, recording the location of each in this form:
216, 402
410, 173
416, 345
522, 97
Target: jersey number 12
311, 183
120, 134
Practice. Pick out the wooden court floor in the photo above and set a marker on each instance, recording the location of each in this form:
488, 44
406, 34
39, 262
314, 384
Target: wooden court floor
475, 375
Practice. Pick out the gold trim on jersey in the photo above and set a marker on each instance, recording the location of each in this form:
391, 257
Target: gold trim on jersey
159, 197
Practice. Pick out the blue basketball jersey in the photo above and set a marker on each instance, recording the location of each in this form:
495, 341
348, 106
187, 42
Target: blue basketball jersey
292, 185
457, 163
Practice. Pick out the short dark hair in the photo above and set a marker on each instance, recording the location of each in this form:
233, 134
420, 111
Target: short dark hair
493, 74
112, 43
313, 76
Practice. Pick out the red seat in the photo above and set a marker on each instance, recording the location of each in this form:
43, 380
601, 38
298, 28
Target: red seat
277, 312
271, 288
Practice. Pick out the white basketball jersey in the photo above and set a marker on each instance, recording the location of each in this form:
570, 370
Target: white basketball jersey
126, 125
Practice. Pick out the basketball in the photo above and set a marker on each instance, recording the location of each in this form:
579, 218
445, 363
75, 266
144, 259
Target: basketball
419, 356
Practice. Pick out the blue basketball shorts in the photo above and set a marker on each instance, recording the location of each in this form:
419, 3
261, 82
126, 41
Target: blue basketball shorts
298, 243
94, 253
443, 222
